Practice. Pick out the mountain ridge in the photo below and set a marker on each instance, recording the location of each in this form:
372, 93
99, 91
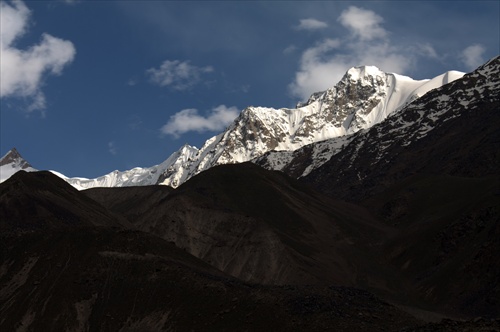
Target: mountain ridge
363, 97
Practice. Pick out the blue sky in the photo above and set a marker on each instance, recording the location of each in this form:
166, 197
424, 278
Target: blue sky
88, 87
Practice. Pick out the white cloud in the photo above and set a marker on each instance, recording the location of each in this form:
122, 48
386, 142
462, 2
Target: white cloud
324, 64
363, 23
22, 71
189, 120
472, 56
180, 75
311, 24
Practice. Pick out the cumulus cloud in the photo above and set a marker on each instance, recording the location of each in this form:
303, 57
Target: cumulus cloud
324, 64
22, 71
311, 24
190, 120
472, 56
365, 24
179, 75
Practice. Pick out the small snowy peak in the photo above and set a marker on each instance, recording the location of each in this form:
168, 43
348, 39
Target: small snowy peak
137, 176
365, 74
13, 162
13, 157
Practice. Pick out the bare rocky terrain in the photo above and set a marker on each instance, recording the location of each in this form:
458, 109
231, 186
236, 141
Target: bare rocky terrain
80, 276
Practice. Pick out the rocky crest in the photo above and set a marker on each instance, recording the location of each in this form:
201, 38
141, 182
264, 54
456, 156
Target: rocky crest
402, 130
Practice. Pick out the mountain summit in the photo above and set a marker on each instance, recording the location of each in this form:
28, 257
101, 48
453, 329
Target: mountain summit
11, 163
364, 97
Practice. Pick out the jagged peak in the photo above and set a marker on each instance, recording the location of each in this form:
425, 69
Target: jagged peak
13, 156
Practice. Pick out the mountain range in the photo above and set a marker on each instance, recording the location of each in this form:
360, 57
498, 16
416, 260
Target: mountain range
365, 96
375, 206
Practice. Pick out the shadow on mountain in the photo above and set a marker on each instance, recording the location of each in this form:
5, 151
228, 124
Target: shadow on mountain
41, 200
440, 190
265, 227
85, 275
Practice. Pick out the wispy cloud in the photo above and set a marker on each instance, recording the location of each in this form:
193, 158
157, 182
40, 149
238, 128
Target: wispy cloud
311, 24
426, 50
22, 71
472, 56
112, 148
290, 49
364, 24
324, 64
190, 120
179, 75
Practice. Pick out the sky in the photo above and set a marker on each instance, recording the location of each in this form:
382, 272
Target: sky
88, 87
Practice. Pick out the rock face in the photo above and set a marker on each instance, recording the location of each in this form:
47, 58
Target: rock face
364, 97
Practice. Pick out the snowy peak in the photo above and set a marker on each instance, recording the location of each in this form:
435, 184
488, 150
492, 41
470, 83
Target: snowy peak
364, 73
137, 176
364, 97
13, 157
12, 162
404, 128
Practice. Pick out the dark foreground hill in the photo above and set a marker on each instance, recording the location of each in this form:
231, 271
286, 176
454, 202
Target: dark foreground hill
84, 277
41, 201
264, 227
90, 276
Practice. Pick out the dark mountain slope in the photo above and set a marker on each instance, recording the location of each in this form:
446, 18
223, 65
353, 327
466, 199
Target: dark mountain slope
130, 202
447, 240
263, 226
451, 130
109, 280
57, 275
40, 200
432, 171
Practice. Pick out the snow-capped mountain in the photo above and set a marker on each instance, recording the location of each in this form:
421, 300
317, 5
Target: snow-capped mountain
137, 176
405, 126
364, 97
12, 162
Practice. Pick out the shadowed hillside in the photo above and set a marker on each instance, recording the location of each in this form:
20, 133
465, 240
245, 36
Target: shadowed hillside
83, 277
